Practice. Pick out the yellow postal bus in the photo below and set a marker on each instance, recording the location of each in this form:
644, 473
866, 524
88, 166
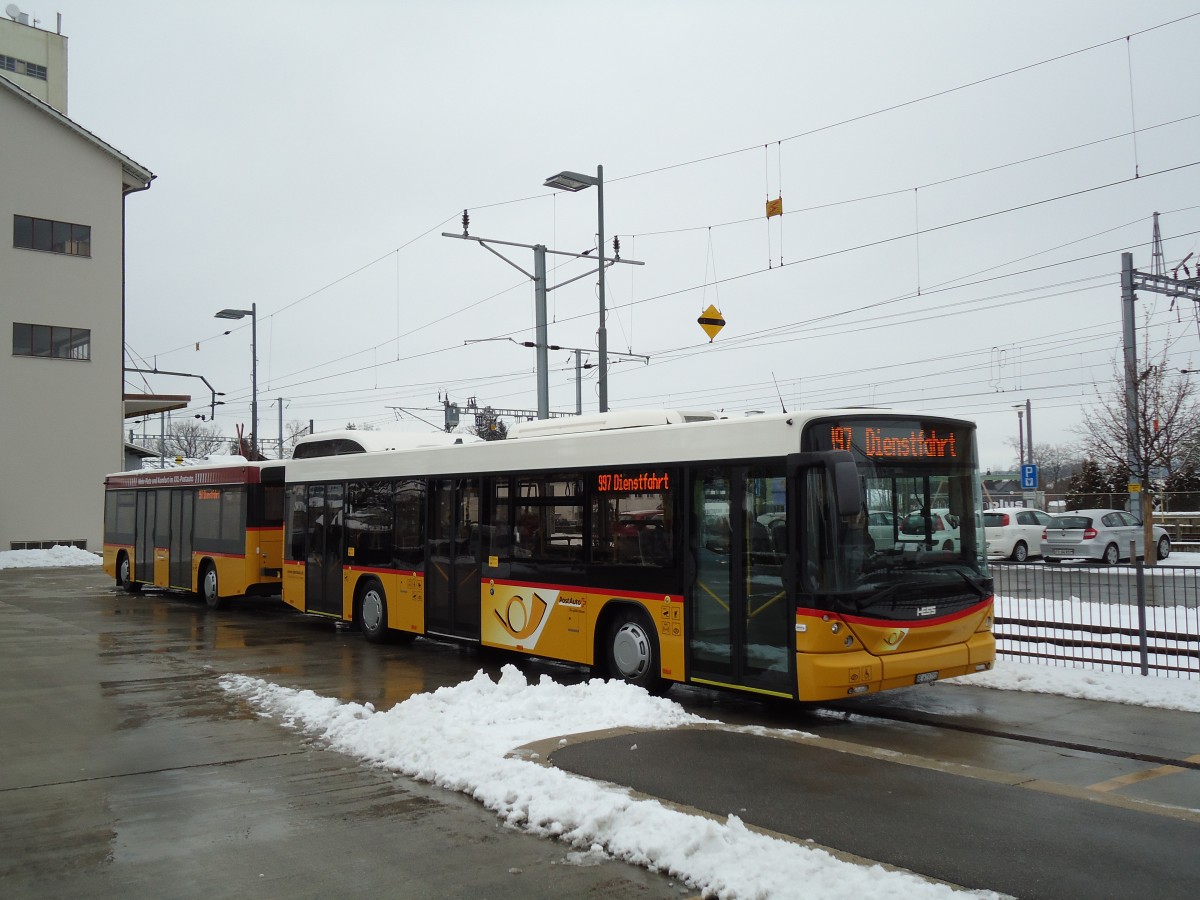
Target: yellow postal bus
662, 547
213, 530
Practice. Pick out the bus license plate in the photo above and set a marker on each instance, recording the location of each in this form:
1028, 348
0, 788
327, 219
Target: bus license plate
926, 677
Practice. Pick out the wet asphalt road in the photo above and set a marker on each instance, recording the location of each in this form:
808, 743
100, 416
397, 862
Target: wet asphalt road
129, 773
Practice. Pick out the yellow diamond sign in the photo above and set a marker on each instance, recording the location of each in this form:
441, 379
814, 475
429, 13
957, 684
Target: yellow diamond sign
710, 320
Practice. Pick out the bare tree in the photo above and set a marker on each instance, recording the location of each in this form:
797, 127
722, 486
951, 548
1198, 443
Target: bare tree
193, 440
293, 431
1168, 420
1056, 462
1168, 425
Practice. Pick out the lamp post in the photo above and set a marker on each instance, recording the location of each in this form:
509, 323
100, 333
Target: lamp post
1020, 433
575, 181
252, 312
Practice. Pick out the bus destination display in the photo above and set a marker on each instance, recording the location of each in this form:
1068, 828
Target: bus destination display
639, 483
901, 441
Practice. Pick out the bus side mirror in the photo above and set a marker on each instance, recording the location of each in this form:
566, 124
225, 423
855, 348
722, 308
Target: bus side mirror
846, 483
840, 465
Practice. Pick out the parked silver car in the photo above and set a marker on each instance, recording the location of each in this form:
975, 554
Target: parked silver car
1102, 535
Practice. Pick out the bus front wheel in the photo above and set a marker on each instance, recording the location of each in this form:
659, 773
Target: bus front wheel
124, 571
632, 652
209, 587
372, 612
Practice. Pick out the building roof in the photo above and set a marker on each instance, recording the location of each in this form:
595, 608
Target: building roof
136, 176
148, 404
135, 450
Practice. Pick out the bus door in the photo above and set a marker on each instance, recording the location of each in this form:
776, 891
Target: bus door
143, 545
741, 618
323, 561
452, 586
182, 503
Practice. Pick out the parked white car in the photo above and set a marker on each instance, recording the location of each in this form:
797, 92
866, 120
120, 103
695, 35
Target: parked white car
1014, 532
881, 525
936, 531
1101, 535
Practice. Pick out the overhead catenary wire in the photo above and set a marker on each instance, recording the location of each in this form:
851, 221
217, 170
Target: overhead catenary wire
945, 92
916, 233
916, 100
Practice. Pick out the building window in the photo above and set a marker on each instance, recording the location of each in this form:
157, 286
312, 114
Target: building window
30, 233
12, 64
53, 341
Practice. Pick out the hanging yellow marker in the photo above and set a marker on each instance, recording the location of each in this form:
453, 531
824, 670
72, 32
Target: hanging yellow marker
711, 321
775, 207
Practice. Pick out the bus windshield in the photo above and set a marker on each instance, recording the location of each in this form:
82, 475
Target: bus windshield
918, 536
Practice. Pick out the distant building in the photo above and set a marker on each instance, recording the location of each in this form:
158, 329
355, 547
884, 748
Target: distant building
62, 301
34, 59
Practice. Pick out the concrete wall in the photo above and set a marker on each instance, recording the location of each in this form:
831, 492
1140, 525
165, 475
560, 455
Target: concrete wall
60, 419
43, 48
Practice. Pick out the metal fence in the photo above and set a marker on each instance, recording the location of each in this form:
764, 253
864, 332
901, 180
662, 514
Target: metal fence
1122, 618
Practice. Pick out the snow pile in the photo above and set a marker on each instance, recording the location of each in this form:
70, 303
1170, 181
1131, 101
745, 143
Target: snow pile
55, 556
459, 738
1088, 684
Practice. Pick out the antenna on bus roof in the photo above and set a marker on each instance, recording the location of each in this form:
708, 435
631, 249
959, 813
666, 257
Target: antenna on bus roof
781, 406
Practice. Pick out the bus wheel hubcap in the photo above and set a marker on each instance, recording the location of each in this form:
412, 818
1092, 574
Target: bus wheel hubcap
371, 610
631, 650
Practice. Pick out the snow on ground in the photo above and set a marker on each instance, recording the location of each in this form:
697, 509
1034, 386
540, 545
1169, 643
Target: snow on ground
459, 738
1181, 694
54, 557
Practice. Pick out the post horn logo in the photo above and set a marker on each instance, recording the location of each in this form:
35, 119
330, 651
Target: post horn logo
519, 621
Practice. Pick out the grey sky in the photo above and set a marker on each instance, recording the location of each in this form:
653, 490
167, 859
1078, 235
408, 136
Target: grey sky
309, 154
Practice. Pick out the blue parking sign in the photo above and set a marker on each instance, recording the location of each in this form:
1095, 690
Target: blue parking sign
1029, 476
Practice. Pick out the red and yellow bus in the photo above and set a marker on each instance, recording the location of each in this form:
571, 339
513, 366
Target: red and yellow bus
791, 555
214, 530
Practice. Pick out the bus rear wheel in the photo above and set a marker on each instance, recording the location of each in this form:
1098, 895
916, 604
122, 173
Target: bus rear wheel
372, 612
209, 586
124, 570
631, 652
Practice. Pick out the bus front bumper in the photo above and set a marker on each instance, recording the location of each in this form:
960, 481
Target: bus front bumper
834, 676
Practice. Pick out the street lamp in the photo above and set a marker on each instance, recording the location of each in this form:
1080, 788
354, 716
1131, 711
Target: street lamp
252, 312
575, 181
1020, 432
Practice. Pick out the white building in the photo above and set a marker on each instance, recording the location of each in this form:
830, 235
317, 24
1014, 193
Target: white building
62, 302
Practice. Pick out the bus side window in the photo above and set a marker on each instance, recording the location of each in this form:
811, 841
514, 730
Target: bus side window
296, 522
